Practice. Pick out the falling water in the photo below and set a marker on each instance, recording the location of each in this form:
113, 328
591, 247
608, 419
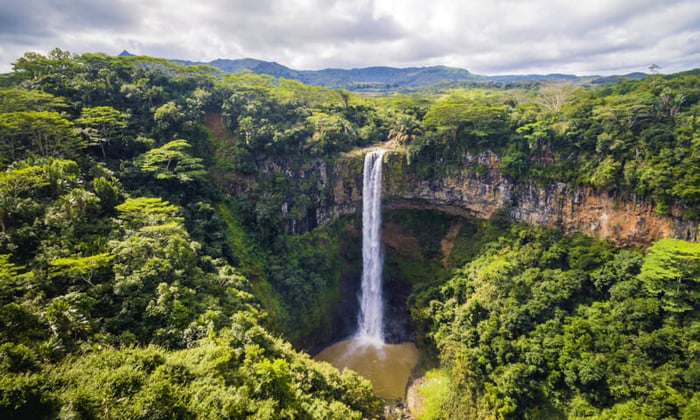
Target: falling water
370, 322
387, 366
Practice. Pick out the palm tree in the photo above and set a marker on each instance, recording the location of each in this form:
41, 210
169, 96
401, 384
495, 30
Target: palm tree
405, 129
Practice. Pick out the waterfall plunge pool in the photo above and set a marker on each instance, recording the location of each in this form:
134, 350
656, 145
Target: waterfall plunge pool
387, 366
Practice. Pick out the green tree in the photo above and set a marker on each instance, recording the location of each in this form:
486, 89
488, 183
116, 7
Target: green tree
15, 184
404, 129
331, 132
154, 248
172, 162
606, 174
671, 271
39, 133
13, 279
168, 117
449, 117
468, 122
52, 71
82, 268
100, 124
107, 191
14, 100
146, 211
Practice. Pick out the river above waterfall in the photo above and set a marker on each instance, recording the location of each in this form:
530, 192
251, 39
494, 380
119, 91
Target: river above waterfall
387, 366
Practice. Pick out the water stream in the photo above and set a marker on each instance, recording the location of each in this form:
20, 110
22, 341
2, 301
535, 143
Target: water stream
387, 366
370, 322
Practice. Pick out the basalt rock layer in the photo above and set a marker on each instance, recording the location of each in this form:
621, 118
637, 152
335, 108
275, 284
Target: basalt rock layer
478, 189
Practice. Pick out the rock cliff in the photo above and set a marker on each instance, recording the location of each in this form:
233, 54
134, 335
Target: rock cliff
478, 190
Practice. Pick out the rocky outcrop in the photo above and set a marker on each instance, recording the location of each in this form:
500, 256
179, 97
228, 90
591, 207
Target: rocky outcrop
625, 221
478, 190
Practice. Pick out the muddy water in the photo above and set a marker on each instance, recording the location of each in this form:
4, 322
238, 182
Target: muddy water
387, 366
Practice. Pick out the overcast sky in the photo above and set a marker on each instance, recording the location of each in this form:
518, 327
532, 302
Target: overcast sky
484, 36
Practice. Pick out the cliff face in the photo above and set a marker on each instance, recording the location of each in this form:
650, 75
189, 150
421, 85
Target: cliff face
478, 190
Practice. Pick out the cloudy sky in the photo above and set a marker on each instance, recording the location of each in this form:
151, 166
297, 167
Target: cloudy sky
484, 36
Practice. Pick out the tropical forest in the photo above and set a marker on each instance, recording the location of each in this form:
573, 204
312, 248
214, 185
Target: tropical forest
180, 242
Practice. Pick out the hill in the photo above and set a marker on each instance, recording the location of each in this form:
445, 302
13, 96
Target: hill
383, 78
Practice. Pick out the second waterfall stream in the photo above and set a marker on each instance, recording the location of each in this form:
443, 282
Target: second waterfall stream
387, 366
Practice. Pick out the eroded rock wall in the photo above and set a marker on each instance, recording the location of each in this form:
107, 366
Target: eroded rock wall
478, 190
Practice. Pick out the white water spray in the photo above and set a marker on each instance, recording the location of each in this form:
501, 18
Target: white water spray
387, 366
370, 320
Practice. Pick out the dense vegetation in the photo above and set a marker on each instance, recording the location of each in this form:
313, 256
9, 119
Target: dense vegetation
159, 234
124, 274
634, 138
543, 326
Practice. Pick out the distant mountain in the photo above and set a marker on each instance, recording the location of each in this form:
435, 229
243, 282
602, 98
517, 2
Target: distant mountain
369, 78
532, 77
385, 77
380, 79
254, 66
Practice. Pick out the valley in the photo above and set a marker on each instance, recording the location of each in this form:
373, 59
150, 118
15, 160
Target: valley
177, 242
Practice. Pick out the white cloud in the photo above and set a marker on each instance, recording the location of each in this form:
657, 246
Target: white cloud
486, 37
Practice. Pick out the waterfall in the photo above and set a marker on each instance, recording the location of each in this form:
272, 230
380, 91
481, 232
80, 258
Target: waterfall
370, 319
387, 366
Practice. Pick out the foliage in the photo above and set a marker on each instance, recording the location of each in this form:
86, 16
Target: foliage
171, 161
159, 229
100, 124
671, 272
242, 373
122, 295
38, 134
434, 386
538, 325
635, 137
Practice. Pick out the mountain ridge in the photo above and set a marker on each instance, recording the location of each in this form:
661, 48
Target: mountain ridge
386, 78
